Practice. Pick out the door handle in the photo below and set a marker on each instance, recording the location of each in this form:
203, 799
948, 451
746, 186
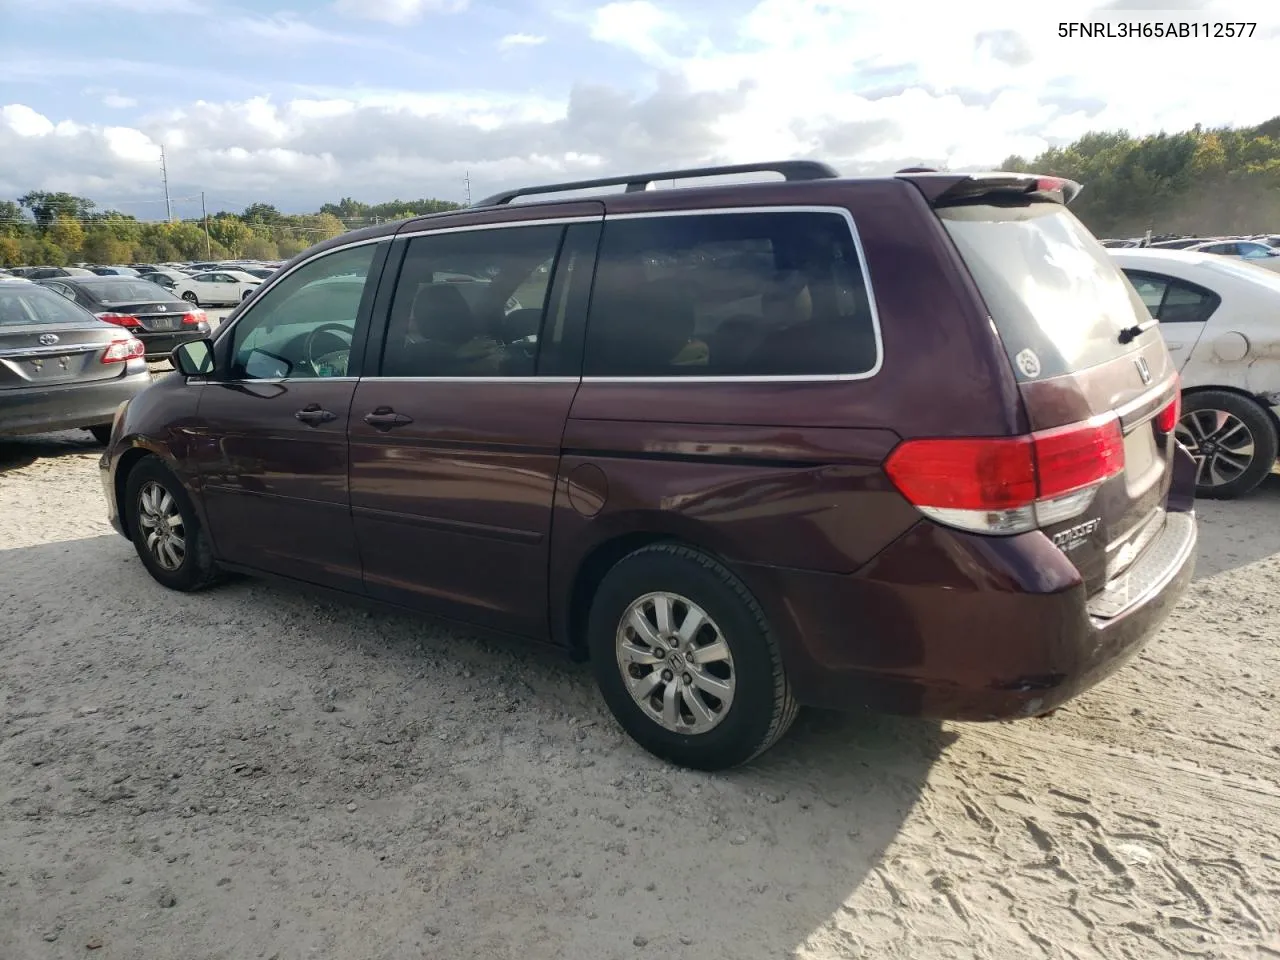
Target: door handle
314, 414
384, 418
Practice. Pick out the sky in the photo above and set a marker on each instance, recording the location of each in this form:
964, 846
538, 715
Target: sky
299, 102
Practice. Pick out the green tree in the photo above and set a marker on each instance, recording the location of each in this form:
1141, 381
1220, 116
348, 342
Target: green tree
101, 245
45, 206
12, 220
68, 235
259, 247
10, 252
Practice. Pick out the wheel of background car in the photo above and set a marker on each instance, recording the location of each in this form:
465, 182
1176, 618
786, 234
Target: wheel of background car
190, 297
337, 330
686, 660
1233, 440
101, 433
165, 528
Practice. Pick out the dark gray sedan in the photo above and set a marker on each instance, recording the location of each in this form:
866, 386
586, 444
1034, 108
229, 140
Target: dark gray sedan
60, 366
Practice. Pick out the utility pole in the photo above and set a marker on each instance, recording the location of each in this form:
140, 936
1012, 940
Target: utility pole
467, 180
204, 213
164, 175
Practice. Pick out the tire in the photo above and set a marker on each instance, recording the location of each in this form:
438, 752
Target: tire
1214, 425
191, 298
196, 569
101, 433
760, 707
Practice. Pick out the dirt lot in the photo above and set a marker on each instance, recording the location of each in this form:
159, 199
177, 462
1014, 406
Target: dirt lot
250, 773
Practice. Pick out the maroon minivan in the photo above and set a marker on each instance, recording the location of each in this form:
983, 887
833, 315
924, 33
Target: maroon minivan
904, 443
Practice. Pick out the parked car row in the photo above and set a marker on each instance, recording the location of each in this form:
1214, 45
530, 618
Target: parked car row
1262, 251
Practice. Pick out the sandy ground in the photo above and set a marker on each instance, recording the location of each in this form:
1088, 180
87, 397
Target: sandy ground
250, 773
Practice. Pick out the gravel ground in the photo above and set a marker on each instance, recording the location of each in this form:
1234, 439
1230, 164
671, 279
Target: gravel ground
251, 773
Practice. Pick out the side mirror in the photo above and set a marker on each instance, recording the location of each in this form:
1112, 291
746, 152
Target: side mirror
193, 358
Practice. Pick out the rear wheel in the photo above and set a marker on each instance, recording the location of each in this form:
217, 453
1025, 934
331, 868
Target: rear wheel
165, 529
1233, 440
191, 298
686, 660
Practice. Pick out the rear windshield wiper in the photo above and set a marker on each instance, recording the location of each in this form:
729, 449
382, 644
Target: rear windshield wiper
1130, 334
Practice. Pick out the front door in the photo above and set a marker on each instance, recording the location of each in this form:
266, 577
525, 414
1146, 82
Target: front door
455, 444
273, 423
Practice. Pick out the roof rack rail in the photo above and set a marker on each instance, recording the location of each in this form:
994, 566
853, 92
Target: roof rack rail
637, 182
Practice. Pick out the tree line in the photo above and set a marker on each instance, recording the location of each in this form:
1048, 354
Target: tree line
1216, 182
56, 229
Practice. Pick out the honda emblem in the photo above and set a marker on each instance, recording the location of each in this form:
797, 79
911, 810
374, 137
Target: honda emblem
1143, 370
48, 339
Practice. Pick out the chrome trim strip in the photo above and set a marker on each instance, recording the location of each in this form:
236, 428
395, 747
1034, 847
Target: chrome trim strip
19, 353
472, 379
779, 378
472, 227
1138, 402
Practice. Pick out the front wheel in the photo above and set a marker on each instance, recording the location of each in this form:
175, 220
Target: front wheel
686, 660
1233, 440
166, 530
191, 298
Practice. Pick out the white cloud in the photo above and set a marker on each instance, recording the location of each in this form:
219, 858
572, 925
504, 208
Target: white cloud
637, 25
25, 122
397, 11
118, 102
835, 79
512, 40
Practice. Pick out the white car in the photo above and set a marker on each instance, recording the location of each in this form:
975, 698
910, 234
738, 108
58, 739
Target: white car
217, 286
1253, 251
1221, 322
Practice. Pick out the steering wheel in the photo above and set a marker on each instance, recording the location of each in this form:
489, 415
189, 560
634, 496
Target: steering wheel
338, 331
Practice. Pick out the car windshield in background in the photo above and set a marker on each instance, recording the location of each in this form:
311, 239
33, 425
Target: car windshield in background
1055, 295
127, 291
22, 305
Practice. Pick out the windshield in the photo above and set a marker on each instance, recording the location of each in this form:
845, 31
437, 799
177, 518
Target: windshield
22, 305
127, 291
1056, 296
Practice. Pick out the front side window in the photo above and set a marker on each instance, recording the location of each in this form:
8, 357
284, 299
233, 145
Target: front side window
304, 326
731, 294
471, 303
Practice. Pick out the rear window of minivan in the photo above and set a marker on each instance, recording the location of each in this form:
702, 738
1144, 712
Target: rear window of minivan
1056, 297
735, 294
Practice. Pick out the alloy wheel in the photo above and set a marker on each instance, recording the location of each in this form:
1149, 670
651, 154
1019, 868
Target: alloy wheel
676, 663
1221, 443
162, 526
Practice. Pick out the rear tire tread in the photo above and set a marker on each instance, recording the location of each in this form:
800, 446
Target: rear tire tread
784, 707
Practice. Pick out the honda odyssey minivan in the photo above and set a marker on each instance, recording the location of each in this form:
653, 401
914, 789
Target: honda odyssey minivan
903, 443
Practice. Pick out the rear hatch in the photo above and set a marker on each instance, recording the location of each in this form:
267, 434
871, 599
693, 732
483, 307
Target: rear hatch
47, 341
1097, 383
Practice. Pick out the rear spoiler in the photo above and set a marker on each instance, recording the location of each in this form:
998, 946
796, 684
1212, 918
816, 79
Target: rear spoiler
955, 189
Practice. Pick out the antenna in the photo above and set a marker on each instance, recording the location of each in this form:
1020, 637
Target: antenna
467, 181
164, 175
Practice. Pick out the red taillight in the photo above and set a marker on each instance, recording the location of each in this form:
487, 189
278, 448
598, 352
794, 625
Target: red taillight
1050, 184
1008, 484
193, 317
120, 319
1167, 419
123, 350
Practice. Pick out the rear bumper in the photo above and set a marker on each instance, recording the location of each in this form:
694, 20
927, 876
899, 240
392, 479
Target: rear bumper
44, 409
956, 626
161, 344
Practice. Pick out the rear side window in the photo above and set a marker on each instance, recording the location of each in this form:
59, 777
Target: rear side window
470, 303
778, 293
1173, 301
1055, 295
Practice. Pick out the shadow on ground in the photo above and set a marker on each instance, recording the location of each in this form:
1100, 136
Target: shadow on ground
326, 780
1236, 533
19, 452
